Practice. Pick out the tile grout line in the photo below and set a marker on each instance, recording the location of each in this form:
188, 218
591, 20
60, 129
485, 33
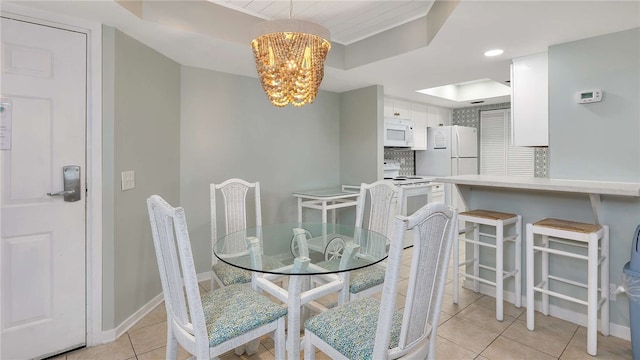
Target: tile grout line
569, 342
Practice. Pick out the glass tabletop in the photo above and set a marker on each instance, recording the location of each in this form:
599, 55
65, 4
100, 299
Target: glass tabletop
302, 248
329, 192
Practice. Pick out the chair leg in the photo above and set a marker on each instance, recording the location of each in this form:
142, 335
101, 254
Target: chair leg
604, 281
545, 275
239, 350
309, 349
280, 346
456, 263
172, 345
476, 257
592, 296
518, 262
499, 270
530, 277
252, 347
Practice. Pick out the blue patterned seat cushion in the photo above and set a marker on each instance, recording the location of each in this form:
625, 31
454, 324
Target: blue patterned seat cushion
232, 275
233, 310
360, 279
351, 328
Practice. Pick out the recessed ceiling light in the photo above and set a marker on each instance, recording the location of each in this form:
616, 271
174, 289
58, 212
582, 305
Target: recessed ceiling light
494, 52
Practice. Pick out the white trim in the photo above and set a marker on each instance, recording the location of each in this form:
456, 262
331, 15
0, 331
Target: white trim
205, 276
112, 335
617, 330
135, 317
93, 30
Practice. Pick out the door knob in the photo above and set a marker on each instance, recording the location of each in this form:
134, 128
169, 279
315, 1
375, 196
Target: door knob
71, 180
62, 193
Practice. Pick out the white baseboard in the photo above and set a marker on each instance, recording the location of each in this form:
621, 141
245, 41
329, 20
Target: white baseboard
113, 334
104, 337
619, 331
204, 276
138, 315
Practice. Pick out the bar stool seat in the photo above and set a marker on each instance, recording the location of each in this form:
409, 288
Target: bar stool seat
498, 220
573, 236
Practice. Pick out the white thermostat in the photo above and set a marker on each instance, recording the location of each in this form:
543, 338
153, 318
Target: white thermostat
588, 96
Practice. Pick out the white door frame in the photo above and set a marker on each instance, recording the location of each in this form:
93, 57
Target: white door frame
95, 334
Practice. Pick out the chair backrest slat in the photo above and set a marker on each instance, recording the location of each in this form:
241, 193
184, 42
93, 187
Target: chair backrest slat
177, 272
433, 231
234, 195
384, 200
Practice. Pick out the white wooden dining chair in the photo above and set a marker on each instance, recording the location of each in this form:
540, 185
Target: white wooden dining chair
210, 325
234, 213
380, 201
368, 328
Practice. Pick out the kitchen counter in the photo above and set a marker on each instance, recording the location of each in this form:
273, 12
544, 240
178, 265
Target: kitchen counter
593, 188
574, 186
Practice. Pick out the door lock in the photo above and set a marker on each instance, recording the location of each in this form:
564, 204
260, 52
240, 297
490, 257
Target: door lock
71, 179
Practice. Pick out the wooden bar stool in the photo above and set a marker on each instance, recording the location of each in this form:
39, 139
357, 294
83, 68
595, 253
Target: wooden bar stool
498, 220
574, 236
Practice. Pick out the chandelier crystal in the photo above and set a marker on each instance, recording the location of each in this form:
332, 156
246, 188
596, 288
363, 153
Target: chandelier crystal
290, 56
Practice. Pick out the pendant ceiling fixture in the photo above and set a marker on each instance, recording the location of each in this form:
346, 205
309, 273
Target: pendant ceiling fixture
290, 57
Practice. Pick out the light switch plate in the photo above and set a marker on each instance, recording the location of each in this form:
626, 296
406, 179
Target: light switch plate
128, 180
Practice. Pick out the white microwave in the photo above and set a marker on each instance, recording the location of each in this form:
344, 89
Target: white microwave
398, 132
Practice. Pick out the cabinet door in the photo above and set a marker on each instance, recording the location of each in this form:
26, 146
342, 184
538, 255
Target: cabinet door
530, 100
419, 117
438, 116
401, 110
388, 108
397, 109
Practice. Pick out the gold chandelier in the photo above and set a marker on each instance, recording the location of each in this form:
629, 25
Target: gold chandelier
290, 57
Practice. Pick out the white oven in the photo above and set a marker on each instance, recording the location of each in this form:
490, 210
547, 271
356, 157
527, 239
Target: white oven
398, 132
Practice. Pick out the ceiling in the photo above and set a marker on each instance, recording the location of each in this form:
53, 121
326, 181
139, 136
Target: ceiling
403, 45
348, 21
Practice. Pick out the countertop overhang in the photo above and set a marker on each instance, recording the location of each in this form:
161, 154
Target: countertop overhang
574, 186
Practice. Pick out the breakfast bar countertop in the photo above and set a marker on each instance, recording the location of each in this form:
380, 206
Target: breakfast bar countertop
593, 188
544, 184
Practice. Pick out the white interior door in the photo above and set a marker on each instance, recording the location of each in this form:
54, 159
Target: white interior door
43, 237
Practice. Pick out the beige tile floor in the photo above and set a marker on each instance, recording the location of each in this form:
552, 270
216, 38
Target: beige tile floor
467, 331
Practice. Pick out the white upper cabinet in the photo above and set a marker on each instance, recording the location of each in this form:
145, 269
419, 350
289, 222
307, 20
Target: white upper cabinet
530, 100
422, 115
397, 109
419, 117
437, 116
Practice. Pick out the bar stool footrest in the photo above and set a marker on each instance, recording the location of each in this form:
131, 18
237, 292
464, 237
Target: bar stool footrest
561, 296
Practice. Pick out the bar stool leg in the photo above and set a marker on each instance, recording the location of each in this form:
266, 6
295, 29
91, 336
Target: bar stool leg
456, 262
499, 268
518, 262
604, 275
592, 296
545, 275
530, 278
476, 257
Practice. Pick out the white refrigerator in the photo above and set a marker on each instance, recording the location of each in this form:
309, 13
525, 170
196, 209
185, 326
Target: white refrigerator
451, 150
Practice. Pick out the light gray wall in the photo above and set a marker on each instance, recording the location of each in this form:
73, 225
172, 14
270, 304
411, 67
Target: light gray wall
588, 142
596, 141
141, 133
230, 130
361, 133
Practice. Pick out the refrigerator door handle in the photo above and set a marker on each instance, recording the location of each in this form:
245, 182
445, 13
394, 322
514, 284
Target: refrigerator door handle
457, 145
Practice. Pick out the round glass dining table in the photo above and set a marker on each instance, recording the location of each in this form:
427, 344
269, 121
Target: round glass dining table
324, 244
316, 259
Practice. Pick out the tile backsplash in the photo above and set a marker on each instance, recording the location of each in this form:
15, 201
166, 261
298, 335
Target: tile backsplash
406, 158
